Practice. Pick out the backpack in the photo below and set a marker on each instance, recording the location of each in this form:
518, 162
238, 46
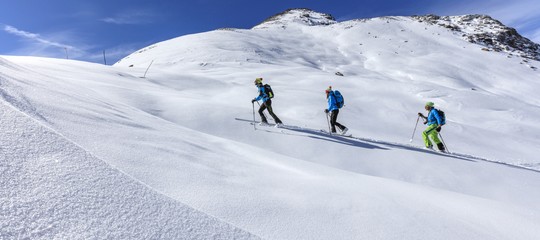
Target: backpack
441, 114
340, 102
268, 91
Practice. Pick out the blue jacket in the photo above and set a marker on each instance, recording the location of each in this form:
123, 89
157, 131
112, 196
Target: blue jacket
332, 102
433, 117
262, 94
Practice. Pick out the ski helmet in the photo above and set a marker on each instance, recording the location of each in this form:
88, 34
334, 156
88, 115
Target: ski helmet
258, 81
430, 104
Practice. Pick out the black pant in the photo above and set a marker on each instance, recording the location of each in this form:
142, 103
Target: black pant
333, 121
268, 105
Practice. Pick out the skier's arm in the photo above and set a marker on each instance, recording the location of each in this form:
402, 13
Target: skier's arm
424, 117
331, 101
261, 93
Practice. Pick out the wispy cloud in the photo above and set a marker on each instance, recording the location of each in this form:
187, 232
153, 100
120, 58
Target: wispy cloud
514, 12
535, 36
133, 17
35, 37
54, 45
38, 45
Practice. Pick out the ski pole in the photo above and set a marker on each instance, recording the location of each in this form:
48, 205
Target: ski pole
253, 105
414, 131
446, 147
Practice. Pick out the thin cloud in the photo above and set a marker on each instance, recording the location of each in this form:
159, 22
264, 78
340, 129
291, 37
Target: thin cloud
515, 12
535, 36
35, 37
37, 45
131, 18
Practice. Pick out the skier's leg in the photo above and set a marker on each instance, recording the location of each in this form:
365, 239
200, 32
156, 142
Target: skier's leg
441, 145
261, 109
434, 135
333, 118
341, 127
427, 143
271, 111
426, 133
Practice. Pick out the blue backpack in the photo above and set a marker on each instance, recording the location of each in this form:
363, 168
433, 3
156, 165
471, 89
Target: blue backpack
340, 102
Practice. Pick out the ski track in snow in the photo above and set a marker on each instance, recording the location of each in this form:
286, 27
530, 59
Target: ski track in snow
323, 133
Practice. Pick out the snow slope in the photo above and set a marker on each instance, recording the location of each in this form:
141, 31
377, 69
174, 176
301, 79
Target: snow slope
172, 137
57, 190
52, 188
392, 66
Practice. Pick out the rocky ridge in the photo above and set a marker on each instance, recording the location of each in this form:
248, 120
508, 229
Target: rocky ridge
298, 15
474, 28
488, 32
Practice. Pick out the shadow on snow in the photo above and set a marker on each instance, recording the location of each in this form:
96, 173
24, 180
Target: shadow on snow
373, 144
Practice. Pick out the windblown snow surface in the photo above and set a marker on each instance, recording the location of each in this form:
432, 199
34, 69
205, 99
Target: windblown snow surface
93, 151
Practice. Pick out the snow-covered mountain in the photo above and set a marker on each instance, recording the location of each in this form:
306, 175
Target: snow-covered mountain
297, 16
93, 151
484, 30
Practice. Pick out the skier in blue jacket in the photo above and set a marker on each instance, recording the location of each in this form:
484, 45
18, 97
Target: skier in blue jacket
333, 109
267, 102
434, 123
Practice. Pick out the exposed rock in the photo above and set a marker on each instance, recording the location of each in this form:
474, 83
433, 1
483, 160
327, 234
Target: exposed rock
297, 15
486, 31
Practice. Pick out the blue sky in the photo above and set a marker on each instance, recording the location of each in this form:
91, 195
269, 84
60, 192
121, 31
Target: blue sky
83, 29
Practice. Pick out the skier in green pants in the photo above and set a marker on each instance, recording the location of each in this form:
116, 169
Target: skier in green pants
434, 123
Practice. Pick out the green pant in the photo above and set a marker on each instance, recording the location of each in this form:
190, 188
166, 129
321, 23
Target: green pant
431, 132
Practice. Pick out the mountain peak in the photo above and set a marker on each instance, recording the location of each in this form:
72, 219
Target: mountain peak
302, 16
486, 31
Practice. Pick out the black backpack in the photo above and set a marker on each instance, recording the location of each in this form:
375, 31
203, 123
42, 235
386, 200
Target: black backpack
268, 91
441, 114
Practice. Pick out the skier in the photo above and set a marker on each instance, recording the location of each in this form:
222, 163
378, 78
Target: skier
434, 123
333, 109
267, 102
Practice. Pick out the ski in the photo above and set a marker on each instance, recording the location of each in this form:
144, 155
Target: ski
258, 123
290, 127
336, 134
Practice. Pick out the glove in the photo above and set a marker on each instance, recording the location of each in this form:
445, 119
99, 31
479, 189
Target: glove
325, 110
252, 101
